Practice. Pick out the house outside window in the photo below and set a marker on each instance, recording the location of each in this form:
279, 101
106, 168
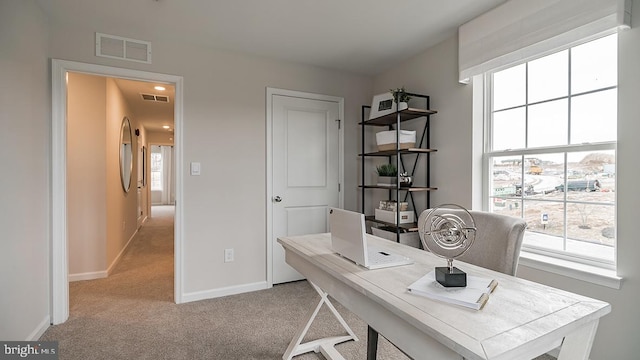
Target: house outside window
550, 150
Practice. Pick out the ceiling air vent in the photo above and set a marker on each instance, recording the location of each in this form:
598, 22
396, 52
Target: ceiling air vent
158, 98
117, 47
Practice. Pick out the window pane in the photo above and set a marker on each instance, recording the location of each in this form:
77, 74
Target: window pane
590, 176
156, 181
509, 129
509, 87
545, 218
544, 173
591, 230
156, 162
594, 65
506, 176
548, 124
549, 77
594, 117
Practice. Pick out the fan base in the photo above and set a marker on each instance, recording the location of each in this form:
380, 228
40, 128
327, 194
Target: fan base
451, 278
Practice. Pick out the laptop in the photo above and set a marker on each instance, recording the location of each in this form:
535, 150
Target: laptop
349, 240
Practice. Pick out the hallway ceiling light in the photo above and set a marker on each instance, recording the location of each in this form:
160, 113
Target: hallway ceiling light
166, 126
159, 88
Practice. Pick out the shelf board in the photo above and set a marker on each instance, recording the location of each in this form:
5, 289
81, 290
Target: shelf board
411, 189
407, 114
411, 227
402, 151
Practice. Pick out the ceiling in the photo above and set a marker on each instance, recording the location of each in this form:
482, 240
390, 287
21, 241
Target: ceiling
151, 114
358, 36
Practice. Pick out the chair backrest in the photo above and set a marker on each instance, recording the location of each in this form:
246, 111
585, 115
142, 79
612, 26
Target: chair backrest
498, 242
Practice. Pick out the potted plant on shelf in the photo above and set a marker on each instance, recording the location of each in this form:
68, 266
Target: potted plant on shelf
400, 97
387, 175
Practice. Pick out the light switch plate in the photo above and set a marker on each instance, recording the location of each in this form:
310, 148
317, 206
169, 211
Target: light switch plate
195, 168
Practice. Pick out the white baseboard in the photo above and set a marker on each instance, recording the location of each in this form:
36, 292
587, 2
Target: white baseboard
40, 329
142, 222
88, 276
102, 273
119, 257
216, 293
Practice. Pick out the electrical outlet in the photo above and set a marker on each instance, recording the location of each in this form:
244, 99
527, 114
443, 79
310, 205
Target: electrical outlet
228, 255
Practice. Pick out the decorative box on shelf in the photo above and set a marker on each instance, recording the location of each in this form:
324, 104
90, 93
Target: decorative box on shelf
386, 140
392, 205
407, 238
390, 216
386, 212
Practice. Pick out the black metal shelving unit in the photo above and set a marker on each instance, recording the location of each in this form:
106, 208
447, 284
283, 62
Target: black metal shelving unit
394, 121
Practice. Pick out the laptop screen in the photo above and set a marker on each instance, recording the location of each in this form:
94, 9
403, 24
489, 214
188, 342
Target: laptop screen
348, 235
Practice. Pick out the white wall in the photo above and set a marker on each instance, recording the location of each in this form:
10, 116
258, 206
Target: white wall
435, 73
24, 160
122, 207
224, 129
96, 204
86, 175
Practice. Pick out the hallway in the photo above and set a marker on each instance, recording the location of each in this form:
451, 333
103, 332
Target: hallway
145, 271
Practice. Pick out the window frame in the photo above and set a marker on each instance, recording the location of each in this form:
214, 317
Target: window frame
533, 254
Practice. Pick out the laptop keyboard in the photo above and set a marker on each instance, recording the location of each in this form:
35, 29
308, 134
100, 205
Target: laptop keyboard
377, 256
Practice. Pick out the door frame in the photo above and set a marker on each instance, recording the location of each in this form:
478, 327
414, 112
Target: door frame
59, 291
269, 159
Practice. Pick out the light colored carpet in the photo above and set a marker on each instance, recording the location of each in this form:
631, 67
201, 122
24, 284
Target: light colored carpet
131, 314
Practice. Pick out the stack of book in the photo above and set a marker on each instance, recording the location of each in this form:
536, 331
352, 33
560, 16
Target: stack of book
475, 295
386, 212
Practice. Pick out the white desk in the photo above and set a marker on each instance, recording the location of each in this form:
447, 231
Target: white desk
521, 320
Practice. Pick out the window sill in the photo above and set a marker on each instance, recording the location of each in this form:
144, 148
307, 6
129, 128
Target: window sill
588, 273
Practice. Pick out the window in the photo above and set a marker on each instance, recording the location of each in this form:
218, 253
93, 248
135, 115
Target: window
550, 150
156, 171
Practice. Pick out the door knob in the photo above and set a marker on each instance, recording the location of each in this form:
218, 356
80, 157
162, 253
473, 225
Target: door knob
277, 199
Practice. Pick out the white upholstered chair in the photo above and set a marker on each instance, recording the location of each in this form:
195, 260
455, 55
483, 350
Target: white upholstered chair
498, 242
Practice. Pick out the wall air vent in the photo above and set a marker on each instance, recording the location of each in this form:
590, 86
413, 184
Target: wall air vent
158, 98
116, 47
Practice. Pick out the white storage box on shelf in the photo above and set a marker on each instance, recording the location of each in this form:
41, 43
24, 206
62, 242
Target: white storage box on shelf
386, 140
390, 216
407, 238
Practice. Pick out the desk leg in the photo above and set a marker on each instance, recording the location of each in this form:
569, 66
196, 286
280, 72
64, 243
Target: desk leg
372, 343
326, 345
578, 344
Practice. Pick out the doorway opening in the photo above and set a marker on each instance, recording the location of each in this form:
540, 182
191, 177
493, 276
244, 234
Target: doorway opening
60, 186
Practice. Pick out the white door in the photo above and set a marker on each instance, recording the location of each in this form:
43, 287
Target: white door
305, 171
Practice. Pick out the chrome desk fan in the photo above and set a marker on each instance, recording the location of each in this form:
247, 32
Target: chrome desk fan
447, 231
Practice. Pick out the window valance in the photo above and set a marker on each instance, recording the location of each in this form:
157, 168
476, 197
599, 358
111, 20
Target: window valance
520, 30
